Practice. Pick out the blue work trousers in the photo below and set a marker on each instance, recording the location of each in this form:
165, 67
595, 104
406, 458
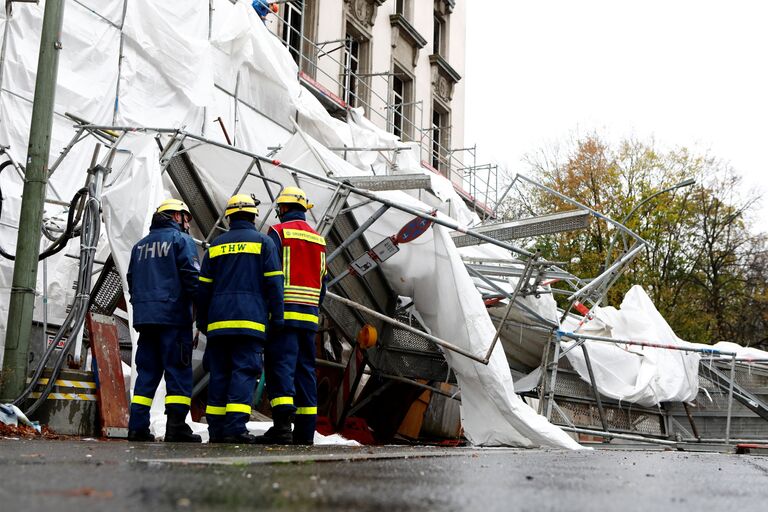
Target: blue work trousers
162, 350
235, 364
291, 378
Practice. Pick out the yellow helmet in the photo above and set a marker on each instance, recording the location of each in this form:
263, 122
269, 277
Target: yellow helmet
242, 203
294, 195
173, 205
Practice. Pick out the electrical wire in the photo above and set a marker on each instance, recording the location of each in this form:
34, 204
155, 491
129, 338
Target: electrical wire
90, 230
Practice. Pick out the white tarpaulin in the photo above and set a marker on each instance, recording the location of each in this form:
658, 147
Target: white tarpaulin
641, 375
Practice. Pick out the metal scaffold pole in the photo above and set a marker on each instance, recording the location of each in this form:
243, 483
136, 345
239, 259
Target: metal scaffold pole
22, 299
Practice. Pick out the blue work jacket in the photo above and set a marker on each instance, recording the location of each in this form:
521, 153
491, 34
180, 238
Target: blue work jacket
241, 284
163, 275
261, 7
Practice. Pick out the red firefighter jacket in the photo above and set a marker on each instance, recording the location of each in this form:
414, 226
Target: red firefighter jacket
303, 257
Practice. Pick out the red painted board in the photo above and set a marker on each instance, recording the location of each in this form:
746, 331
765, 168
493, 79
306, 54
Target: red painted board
113, 400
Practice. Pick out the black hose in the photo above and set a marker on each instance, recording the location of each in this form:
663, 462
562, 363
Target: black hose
2, 251
76, 316
69, 232
61, 243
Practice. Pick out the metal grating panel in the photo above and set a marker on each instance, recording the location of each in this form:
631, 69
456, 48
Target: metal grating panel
410, 355
630, 420
186, 180
371, 290
107, 291
710, 408
749, 376
526, 228
393, 182
571, 385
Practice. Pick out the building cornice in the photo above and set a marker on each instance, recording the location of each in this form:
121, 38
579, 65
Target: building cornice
446, 68
409, 31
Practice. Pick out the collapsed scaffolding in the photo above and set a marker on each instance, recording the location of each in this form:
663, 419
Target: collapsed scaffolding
360, 295
418, 346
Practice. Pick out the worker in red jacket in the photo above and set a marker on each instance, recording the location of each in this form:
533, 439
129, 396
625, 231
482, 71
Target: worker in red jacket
290, 358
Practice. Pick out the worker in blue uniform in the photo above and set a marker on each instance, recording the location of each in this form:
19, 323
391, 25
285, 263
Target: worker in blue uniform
162, 279
262, 8
290, 360
240, 300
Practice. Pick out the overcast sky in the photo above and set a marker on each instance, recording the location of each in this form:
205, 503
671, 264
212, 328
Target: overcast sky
687, 72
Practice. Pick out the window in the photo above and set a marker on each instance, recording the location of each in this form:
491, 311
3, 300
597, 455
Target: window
398, 107
402, 103
402, 7
440, 138
438, 134
292, 28
350, 80
439, 35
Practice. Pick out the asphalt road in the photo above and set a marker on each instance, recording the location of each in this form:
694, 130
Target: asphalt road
116, 475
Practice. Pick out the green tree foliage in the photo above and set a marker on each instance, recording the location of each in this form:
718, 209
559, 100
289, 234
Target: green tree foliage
705, 267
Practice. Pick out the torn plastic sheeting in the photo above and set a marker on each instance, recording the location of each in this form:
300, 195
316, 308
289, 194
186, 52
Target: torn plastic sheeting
641, 375
744, 353
12, 415
246, 49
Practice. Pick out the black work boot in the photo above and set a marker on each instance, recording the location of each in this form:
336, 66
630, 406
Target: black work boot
304, 429
177, 430
243, 438
280, 432
140, 436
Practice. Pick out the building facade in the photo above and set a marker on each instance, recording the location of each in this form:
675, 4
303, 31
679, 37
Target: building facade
402, 61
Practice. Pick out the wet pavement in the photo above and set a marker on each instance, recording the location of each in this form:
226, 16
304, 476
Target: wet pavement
85, 475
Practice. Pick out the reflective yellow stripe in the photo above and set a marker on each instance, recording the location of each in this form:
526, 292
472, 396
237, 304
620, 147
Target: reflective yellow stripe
237, 324
306, 410
287, 265
300, 234
235, 248
177, 399
141, 400
302, 288
245, 409
290, 299
215, 410
205, 279
302, 294
301, 298
322, 265
275, 273
281, 400
304, 317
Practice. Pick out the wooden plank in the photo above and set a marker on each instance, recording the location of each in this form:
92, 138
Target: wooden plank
410, 428
113, 400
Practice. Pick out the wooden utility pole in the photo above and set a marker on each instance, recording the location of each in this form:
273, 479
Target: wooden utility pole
19, 327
